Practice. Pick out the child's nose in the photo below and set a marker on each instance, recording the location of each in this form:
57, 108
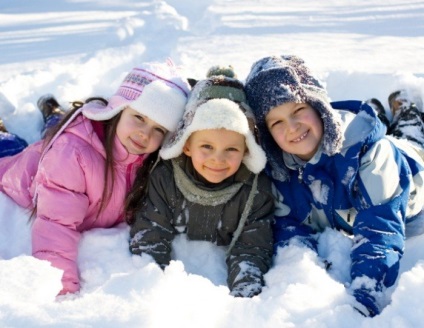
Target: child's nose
219, 156
145, 132
292, 124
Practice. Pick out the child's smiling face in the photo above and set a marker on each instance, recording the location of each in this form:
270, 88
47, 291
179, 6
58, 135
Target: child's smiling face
138, 133
216, 154
296, 128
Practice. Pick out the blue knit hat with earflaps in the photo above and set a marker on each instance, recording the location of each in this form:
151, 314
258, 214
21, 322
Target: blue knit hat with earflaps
274, 81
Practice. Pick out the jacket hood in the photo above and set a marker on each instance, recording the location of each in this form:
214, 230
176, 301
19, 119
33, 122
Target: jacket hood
360, 124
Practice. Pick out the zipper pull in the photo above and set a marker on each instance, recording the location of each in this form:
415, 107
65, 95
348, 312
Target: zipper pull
300, 176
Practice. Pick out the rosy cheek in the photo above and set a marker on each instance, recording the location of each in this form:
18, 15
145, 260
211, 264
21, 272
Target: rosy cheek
275, 134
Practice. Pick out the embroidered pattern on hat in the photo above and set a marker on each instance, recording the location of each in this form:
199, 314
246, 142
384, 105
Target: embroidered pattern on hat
129, 92
170, 82
137, 79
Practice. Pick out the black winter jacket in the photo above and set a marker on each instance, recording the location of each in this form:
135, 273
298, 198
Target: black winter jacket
179, 201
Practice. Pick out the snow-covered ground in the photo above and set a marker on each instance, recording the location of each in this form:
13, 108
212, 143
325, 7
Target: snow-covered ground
80, 48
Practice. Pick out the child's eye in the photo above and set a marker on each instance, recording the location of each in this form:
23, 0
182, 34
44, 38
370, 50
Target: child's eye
206, 146
299, 110
140, 118
275, 123
161, 130
233, 149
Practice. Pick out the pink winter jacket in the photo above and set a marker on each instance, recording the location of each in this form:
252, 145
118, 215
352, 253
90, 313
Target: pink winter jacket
69, 182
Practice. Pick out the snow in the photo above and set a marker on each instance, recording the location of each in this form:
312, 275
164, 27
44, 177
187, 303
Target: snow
80, 48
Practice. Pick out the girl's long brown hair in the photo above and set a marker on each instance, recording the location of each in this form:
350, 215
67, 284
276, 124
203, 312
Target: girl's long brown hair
137, 195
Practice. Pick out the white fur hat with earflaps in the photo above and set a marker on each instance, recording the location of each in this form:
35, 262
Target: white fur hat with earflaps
218, 102
156, 90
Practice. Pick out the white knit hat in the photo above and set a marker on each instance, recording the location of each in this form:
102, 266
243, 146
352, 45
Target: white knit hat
156, 90
217, 103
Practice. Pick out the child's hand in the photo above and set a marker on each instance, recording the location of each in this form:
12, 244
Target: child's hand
69, 287
246, 290
366, 304
327, 265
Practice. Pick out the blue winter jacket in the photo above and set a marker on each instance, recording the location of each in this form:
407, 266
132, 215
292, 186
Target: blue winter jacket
369, 189
11, 144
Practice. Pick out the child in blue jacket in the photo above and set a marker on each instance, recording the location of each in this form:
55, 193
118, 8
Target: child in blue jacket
11, 143
333, 166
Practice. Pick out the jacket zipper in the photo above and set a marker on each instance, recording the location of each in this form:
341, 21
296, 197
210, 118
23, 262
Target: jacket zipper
300, 176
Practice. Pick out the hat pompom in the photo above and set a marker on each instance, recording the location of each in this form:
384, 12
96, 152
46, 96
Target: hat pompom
217, 70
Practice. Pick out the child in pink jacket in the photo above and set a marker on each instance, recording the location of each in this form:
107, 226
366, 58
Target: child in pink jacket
79, 176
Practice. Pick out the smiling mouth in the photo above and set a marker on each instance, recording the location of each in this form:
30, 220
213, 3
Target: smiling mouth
216, 170
303, 136
138, 145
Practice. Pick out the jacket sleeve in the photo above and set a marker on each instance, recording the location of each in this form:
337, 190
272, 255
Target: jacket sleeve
250, 258
11, 144
380, 195
61, 206
17, 174
152, 232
